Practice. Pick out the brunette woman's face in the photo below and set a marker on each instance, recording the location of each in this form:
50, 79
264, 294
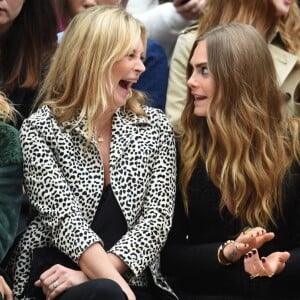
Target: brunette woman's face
76, 6
201, 81
9, 10
282, 7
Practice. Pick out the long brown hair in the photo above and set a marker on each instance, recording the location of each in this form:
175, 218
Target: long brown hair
261, 14
247, 144
29, 43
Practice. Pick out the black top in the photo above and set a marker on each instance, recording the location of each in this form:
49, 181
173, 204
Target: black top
189, 258
109, 222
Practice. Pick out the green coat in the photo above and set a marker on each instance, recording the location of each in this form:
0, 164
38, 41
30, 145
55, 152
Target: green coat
11, 179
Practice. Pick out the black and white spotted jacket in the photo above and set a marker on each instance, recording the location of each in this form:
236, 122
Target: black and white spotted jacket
65, 179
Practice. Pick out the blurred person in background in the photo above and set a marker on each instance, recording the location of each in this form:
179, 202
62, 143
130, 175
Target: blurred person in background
27, 43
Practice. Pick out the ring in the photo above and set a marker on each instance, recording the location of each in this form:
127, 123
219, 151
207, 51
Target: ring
247, 229
55, 284
254, 276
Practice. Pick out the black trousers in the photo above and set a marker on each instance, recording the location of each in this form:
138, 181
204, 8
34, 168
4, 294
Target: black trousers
96, 289
103, 289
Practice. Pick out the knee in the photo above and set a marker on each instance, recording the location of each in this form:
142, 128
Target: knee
106, 289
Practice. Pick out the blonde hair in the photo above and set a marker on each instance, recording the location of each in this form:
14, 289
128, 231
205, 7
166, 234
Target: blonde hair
80, 76
7, 111
247, 144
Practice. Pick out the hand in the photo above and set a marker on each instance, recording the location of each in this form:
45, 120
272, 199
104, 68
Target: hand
247, 240
58, 279
265, 266
5, 290
191, 10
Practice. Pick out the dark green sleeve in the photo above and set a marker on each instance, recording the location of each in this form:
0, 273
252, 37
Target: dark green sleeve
11, 179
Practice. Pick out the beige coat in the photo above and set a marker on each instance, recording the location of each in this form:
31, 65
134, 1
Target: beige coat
285, 63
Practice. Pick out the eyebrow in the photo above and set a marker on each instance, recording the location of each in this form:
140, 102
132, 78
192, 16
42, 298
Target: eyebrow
200, 65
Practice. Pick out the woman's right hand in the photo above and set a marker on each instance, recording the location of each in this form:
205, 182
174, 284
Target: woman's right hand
58, 279
247, 240
5, 289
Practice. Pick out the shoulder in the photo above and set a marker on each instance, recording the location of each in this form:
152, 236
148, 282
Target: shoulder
39, 119
10, 145
157, 118
189, 32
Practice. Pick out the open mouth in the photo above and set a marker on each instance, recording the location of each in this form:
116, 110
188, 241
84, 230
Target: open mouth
200, 97
124, 84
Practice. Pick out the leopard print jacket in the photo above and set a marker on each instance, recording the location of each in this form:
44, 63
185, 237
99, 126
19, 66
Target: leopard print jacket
64, 179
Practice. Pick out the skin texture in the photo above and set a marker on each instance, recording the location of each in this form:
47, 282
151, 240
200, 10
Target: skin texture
9, 10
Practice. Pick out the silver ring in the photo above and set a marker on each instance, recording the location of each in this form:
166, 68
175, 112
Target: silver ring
55, 284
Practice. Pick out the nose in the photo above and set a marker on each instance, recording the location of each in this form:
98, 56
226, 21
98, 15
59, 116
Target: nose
191, 82
140, 67
89, 3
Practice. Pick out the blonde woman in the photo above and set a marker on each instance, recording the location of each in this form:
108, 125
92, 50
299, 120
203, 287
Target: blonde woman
99, 170
235, 234
11, 178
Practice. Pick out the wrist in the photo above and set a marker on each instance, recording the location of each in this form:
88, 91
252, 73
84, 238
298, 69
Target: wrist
222, 259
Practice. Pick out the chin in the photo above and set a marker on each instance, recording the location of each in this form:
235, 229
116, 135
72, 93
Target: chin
200, 112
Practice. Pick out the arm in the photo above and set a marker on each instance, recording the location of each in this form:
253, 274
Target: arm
148, 232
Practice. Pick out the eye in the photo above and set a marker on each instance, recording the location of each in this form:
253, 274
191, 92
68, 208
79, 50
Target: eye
204, 70
131, 55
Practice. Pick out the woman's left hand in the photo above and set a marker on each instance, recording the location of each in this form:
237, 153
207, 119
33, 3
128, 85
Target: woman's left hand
265, 266
58, 279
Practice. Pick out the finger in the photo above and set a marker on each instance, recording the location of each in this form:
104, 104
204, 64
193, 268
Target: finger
268, 271
248, 265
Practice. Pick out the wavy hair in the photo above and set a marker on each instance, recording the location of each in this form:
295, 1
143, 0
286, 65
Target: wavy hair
246, 142
29, 43
261, 14
80, 76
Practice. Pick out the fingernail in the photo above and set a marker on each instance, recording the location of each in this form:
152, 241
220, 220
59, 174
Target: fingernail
249, 254
246, 255
254, 251
263, 259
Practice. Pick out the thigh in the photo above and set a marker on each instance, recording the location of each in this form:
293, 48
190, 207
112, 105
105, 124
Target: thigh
94, 290
143, 293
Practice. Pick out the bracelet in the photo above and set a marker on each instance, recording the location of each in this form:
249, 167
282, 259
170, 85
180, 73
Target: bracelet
220, 255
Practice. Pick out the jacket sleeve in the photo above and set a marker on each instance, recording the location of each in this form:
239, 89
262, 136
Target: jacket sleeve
141, 245
11, 179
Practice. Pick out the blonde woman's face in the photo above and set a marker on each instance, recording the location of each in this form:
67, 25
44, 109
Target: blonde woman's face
201, 82
76, 6
282, 7
9, 10
125, 73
